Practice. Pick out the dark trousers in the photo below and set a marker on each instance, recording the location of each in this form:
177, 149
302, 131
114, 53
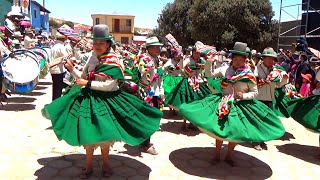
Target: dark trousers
57, 85
1, 79
268, 103
147, 143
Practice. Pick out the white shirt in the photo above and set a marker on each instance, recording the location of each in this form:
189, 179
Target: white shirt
316, 91
58, 51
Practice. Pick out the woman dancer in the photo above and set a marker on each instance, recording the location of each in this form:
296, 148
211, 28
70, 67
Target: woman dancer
95, 113
235, 116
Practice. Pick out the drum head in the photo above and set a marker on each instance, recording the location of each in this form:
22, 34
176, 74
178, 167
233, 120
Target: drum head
41, 53
22, 68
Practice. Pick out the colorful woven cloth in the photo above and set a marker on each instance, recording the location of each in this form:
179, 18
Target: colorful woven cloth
225, 105
174, 44
275, 75
242, 74
70, 33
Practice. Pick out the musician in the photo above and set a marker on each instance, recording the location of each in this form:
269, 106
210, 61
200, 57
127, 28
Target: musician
29, 41
57, 70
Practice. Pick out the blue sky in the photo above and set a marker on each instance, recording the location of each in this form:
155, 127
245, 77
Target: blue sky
146, 12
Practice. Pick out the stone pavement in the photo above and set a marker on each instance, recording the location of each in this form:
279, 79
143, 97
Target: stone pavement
30, 150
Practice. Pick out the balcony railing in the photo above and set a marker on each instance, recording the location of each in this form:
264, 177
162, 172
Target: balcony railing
122, 29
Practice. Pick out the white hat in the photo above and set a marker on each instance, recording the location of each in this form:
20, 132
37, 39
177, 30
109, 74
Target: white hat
17, 34
14, 13
153, 41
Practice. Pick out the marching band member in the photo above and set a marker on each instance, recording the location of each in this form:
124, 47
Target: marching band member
56, 67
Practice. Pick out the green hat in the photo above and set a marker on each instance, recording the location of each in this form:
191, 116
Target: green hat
239, 48
101, 32
153, 41
269, 52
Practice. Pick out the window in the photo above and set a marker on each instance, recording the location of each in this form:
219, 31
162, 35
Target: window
97, 21
128, 22
124, 40
35, 13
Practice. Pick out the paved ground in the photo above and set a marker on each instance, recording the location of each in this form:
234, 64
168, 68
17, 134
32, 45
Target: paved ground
30, 150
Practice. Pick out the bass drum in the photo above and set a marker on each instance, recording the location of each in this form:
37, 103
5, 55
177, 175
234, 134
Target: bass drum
48, 50
21, 72
43, 59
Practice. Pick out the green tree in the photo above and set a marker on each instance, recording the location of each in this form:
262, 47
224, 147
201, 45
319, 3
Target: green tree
53, 24
69, 23
220, 22
175, 19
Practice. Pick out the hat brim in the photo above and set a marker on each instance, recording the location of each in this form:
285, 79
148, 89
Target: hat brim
239, 52
154, 44
305, 77
269, 55
102, 38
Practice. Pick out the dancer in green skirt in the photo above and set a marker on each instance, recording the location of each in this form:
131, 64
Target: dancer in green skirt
269, 78
173, 73
234, 116
95, 112
192, 86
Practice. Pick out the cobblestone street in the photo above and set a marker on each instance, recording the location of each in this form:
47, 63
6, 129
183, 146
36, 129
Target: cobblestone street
30, 150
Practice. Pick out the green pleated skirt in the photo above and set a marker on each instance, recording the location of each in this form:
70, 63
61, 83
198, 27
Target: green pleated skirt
306, 111
84, 116
170, 82
183, 93
248, 120
280, 104
214, 83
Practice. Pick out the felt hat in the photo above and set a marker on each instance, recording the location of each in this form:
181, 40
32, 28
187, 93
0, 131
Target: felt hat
17, 34
101, 32
239, 48
257, 55
189, 48
153, 41
14, 13
308, 77
314, 60
253, 52
269, 52
15, 42
248, 50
